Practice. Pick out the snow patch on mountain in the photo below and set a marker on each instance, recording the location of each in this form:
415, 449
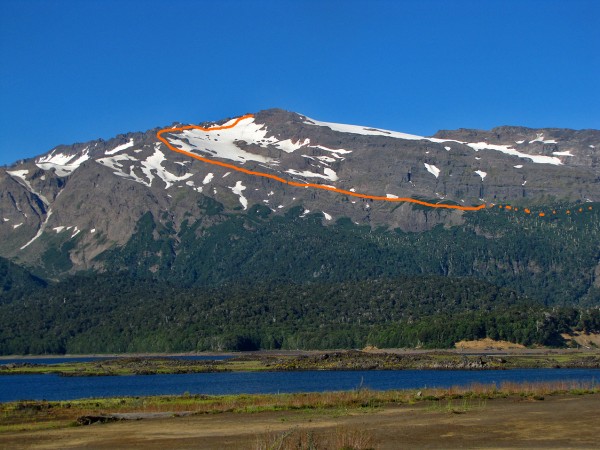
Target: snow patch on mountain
540, 159
62, 163
19, 174
358, 129
335, 151
22, 179
290, 146
540, 138
223, 143
151, 163
115, 163
151, 167
329, 174
432, 170
481, 173
237, 190
120, 148
154, 164
325, 159
40, 230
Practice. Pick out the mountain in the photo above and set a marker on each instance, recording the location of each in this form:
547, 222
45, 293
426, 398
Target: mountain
68, 206
277, 202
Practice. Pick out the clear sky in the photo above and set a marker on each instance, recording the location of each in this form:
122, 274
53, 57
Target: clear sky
77, 70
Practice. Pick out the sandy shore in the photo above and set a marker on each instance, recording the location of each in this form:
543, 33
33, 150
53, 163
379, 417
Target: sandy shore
562, 421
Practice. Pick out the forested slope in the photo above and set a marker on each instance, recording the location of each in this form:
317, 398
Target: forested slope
247, 281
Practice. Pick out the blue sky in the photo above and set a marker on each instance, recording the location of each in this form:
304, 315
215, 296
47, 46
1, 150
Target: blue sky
78, 70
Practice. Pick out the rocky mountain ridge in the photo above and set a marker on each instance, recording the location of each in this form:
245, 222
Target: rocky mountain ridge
79, 201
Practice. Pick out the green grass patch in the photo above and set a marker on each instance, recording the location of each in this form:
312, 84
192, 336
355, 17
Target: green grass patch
38, 415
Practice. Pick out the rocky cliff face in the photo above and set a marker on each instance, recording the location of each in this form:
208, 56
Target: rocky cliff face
84, 199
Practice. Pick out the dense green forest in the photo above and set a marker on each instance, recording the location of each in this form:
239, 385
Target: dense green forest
233, 281
15, 278
118, 313
555, 260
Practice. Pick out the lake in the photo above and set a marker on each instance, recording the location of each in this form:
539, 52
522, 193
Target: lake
54, 387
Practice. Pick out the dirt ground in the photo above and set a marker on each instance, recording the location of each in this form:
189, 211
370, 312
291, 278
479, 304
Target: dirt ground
554, 422
587, 341
487, 343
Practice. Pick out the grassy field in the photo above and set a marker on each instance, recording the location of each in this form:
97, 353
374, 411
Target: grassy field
540, 415
39, 415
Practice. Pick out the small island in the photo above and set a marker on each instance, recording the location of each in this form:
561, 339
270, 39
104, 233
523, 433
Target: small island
368, 359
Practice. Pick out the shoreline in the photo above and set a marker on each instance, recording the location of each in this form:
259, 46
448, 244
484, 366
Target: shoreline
396, 351
231, 421
275, 361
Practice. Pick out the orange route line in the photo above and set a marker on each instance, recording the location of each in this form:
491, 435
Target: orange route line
292, 183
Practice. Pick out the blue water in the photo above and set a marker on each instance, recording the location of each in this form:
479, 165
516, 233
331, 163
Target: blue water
54, 387
69, 359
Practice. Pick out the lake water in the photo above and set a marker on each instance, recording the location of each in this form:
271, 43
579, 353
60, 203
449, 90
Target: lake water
54, 387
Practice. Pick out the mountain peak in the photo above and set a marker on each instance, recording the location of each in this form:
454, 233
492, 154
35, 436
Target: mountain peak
90, 195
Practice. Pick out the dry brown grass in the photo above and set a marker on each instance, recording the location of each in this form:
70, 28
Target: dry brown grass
37, 413
586, 340
298, 439
486, 343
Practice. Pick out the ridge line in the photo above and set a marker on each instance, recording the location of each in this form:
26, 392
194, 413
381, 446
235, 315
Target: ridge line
294, 183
